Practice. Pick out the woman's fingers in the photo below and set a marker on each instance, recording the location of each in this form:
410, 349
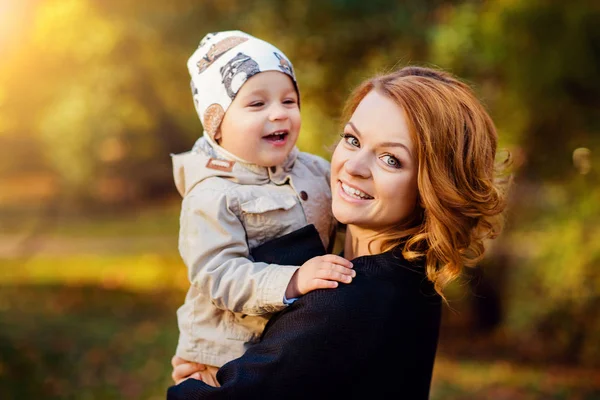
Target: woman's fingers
180, 373
176, 360
196, 375
185, 370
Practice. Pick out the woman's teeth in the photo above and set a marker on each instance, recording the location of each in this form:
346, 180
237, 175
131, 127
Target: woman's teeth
355, 192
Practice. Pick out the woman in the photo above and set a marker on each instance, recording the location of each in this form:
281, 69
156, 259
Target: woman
413, 179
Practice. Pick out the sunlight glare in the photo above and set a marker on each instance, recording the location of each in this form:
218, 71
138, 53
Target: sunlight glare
11, 12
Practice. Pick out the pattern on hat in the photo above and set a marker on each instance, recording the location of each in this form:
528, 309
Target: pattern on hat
217, 50
212, 118
221, 65
284, 64
237, 71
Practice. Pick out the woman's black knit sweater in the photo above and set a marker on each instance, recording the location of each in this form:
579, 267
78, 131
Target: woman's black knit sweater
375, 338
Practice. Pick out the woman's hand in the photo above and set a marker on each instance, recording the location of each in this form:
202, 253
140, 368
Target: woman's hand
184, 369
322, 272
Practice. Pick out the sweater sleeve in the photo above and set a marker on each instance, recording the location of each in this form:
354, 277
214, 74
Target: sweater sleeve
297, 344
212, 243
307, 351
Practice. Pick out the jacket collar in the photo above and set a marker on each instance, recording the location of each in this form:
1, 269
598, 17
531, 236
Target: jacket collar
276, 174
192, 167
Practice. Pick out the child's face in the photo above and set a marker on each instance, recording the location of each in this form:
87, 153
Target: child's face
262, 123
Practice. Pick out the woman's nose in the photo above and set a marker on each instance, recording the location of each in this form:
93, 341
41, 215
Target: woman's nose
358, 165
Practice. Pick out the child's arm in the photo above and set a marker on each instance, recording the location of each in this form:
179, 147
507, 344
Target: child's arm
213, 245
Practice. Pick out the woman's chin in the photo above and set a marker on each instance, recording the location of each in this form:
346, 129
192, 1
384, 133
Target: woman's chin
344, 217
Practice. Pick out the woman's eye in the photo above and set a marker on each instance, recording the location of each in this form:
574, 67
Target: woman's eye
351, 140
391, 161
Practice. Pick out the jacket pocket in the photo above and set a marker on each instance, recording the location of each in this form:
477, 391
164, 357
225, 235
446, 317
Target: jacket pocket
244, 328
268, 217
264, 204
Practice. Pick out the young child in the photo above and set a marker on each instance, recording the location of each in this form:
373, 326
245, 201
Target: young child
243, 184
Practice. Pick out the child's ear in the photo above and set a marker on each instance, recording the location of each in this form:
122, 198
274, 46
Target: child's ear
218, 135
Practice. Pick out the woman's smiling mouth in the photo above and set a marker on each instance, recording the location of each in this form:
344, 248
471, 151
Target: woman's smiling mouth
354, 192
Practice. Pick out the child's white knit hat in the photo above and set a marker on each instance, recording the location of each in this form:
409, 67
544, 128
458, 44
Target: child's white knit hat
221, 65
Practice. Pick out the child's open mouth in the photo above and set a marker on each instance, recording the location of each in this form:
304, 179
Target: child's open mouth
277, 137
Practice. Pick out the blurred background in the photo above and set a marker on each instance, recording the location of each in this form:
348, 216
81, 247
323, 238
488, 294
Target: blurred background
94, 96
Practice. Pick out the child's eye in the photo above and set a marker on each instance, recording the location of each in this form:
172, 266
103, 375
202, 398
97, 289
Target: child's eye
350, 139
289, 101
257, 104
391, 161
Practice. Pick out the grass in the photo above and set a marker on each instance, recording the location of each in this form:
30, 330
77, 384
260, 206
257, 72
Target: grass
85, 342
468, 379
135, 272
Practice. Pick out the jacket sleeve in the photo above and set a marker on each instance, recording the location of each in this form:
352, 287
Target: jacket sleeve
212, 243
321, 167
318, 165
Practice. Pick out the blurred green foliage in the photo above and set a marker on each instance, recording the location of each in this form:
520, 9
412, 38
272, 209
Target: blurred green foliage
535, 62
94, 96
100, 89
553, 286
96, 343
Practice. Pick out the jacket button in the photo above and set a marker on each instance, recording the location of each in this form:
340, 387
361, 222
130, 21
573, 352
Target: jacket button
304, 195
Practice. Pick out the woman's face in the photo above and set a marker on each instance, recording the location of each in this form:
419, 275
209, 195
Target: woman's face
373, 168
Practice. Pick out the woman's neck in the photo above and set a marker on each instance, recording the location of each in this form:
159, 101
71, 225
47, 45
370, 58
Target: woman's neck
361, 242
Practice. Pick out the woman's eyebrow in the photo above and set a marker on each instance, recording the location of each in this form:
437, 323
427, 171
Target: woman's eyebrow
384, 144
354, 129
395, 144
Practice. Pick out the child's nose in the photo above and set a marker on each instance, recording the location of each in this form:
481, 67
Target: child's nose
278, 112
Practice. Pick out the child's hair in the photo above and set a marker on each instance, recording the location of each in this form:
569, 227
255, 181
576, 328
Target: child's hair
223, 62
460, 195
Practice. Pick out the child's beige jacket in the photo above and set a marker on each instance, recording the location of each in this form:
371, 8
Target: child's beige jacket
229, 207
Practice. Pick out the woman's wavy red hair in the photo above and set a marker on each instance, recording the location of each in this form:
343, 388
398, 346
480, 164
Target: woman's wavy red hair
461, 195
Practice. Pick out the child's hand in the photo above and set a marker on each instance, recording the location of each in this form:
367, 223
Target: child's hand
322, 272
